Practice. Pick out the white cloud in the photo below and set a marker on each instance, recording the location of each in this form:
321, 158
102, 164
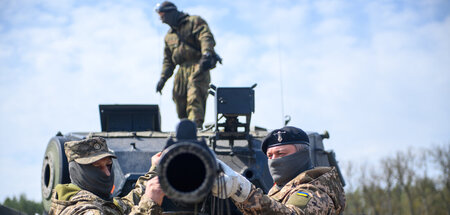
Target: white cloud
329, 8
211, 14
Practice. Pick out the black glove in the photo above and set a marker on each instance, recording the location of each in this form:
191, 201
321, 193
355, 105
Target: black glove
205, 62
160, 85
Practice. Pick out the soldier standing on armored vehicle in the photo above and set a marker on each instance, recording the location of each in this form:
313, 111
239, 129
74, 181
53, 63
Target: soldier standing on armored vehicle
190, 44
299, 188
90, 164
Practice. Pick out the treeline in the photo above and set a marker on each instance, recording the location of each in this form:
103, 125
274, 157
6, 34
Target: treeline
414, 181
24, 205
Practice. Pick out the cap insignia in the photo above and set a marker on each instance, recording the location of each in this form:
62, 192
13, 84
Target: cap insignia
97, 146
280, 137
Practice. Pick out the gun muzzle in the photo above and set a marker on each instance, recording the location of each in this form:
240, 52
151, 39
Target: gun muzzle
187, 172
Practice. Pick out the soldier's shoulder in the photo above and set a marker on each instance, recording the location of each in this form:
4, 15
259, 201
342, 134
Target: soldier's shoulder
65, 192
86, 196
325, 176
317, 190
320, 172
80, 202
195, 17
197, 20
310, 175
327, 173
93, 204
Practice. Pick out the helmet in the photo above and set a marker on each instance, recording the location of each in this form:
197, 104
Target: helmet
165, 7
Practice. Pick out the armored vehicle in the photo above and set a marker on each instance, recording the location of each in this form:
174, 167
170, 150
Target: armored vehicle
133, 133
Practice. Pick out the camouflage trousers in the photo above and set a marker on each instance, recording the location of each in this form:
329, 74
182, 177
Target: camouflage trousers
190, 91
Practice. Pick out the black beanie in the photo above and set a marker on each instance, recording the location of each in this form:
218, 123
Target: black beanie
284, 136
166, 6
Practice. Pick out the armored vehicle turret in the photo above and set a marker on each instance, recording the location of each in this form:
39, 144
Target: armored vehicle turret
133, 133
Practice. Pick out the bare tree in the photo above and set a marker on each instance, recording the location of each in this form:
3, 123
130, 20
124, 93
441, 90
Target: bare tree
441, 155
405, 183
353, 196
369, 184
403, 167
388, 177
348, 166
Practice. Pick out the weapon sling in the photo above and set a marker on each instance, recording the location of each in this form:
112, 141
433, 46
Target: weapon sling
181, 38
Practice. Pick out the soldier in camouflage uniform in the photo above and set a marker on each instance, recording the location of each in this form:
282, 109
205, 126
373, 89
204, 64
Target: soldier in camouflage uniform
92, 180
190, 44
299, 188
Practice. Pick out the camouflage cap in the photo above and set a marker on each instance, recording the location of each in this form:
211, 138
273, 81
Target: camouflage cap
87, 151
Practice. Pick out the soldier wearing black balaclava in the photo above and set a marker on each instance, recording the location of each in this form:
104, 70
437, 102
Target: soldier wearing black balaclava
189, 43
285, 168
299, 187
92, 184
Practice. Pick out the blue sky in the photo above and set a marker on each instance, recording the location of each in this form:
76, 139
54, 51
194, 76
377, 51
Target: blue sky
375, 74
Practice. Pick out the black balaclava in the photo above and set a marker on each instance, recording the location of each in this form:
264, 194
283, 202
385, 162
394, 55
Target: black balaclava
173, 18
92, 179
288, 167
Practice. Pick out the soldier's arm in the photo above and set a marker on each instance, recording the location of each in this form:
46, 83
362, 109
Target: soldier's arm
136, 202
147, 206
203, 35
313, 203
168, 65
133, 198
258, 203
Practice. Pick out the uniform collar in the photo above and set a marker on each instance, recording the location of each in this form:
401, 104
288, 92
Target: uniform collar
184, 19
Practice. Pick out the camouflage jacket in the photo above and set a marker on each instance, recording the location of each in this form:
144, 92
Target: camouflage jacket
195, 31
316, 191
70, 199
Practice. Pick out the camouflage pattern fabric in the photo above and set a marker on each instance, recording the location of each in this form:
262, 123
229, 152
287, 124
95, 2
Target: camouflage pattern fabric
316, 191
87, 151
69, 199
191, 85
190, 92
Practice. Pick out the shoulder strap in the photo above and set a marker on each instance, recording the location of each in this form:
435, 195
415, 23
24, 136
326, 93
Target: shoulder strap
181, 38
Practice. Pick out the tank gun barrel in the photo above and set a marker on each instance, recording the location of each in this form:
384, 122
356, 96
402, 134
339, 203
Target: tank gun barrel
187, 168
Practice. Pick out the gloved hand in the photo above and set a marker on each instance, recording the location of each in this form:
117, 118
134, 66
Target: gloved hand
231, 184
205, 62
160, 85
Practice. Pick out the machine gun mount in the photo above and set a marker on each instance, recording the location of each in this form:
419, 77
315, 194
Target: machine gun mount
232, 103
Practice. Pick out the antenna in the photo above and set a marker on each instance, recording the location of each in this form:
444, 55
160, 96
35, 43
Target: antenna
281, 78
